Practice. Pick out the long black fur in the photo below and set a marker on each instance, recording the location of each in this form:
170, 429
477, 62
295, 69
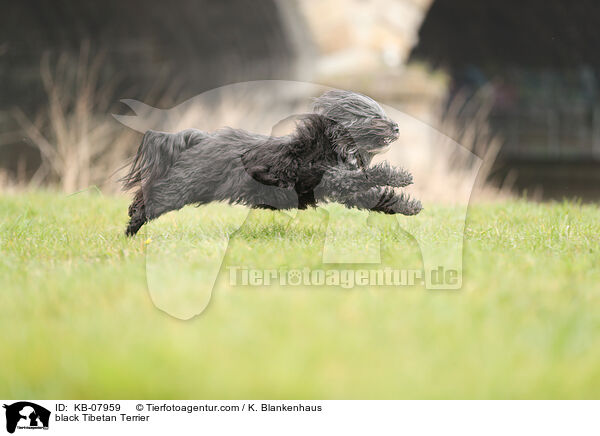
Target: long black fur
327, 158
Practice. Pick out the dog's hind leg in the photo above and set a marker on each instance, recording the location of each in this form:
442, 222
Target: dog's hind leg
137, 214
150, 203
134, 225
137, 203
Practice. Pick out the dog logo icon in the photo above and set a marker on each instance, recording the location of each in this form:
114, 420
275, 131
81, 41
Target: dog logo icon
26, 415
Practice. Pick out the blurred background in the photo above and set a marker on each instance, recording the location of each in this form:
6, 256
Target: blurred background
516, 82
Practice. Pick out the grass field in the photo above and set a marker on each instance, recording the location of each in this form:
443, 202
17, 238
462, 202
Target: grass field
77, 319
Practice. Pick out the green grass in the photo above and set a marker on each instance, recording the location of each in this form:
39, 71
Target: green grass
78, 321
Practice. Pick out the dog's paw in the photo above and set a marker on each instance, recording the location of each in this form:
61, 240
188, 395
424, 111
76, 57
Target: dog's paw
392, 203
384, 174
410, 207
400, 179
132, 229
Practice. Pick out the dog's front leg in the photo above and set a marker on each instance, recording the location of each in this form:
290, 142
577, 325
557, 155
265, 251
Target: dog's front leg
306, 199
392, 203
342, 182
384, 200
384, 174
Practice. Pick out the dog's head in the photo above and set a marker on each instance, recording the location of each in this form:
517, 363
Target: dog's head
360, 123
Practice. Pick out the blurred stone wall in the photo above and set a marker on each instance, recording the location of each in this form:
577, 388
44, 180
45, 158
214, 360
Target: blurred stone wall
364, 46
354, 36
199, 44
154, 51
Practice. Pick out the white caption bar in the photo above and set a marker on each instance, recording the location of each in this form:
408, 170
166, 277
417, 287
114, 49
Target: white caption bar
23, 417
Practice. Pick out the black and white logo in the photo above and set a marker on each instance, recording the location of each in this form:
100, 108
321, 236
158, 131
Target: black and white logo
26, 415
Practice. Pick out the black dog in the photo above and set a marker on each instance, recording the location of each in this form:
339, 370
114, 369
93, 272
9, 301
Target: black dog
327, 158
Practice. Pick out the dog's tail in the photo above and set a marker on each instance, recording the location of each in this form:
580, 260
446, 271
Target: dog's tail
156, 154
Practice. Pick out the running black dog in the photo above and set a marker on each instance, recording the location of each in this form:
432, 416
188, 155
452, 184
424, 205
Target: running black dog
327, 158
